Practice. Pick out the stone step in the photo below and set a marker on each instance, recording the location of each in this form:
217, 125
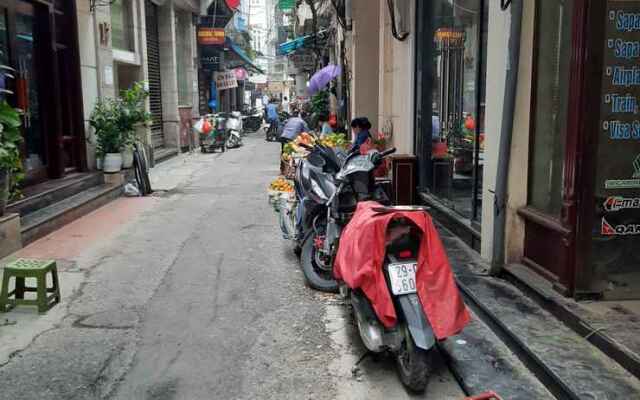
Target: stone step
566, 363
41, 222
53, 191
557, 354
482, 362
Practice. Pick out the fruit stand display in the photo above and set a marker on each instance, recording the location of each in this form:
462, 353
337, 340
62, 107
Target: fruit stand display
283, 200
281, 190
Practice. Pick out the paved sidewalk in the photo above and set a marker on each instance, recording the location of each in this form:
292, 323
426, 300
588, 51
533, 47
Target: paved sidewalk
74, 243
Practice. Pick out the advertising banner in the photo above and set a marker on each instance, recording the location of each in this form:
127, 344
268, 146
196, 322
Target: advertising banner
225, 80
208, 36
616, 237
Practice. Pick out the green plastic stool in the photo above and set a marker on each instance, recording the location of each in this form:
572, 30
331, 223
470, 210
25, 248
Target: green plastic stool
28, 268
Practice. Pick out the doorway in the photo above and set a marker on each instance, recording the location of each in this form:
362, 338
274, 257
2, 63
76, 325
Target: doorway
38, 50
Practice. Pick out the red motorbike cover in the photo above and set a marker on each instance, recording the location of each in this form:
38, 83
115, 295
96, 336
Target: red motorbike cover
359, 264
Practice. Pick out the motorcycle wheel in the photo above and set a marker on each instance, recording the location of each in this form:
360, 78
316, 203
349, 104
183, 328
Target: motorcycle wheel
316, 277
414, 365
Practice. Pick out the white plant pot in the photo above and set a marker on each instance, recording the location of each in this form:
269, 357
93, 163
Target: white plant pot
127, 158
99, 163
112, 163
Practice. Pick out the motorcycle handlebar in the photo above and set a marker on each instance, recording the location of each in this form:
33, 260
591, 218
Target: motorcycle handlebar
388, 152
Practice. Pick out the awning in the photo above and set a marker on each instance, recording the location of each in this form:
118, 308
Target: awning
297, 43
242, 58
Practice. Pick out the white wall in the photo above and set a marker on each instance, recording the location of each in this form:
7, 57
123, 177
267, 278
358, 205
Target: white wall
397, 81
519, 163
365, 61
497, 52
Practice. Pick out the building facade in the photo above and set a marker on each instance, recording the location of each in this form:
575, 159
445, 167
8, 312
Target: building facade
39, 43
573, 161
142, 40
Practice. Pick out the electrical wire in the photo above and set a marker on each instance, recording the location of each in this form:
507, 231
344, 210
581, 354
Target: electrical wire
392, 13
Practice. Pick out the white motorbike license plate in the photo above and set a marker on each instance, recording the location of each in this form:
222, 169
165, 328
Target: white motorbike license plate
403, 278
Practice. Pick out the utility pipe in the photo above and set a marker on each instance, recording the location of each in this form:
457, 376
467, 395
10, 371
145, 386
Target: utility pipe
506, 131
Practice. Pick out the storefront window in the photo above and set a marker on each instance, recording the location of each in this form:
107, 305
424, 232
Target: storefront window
122, 25
551, 92
458, 103
615, 244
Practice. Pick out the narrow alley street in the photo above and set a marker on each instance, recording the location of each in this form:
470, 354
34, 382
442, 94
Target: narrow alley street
194, 296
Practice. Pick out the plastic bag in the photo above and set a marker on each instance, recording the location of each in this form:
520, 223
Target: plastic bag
203, 126
131, 190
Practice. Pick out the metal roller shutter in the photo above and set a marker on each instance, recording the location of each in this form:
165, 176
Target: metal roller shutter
153, 66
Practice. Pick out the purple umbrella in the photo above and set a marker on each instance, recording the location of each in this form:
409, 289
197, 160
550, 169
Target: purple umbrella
321, 78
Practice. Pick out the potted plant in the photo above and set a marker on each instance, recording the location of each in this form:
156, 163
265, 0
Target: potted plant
10, 162
104, 120
132, 113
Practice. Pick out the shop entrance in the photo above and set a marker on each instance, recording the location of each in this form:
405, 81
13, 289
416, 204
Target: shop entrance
38, 51
450, 102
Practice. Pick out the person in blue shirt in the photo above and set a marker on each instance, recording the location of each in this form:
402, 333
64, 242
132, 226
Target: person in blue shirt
293, 127
360, 128
272, 114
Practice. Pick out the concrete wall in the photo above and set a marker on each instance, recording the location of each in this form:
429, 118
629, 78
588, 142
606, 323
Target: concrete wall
497, 47
498, 38
519, 164
88, 70
396, 80
105, 70
168, 75
365, 61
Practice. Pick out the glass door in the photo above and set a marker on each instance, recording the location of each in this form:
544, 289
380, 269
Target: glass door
27, 93
20, 42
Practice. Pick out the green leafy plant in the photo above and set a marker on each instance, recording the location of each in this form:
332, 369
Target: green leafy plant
132, 112
115, 120
10, 139
320, 102
104, 120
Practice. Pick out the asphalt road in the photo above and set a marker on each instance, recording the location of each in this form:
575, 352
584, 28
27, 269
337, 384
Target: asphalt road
201, 298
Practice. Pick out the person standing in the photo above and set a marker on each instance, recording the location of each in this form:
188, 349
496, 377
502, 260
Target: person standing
286, 105
293, 127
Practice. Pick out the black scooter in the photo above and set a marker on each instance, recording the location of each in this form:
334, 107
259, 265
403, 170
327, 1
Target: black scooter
329, 185
251, 119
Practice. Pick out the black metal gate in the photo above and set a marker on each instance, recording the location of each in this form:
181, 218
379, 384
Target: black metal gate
153, 66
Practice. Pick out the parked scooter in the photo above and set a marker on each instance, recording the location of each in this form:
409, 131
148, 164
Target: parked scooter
252, 119
234, 130
330, 191
411, 340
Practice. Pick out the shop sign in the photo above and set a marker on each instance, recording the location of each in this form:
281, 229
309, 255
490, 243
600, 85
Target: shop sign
617, 203
450, 35
619, 230
208, 36
225, 80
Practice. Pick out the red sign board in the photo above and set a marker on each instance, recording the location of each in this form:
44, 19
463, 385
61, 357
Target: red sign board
233, 4
210, 36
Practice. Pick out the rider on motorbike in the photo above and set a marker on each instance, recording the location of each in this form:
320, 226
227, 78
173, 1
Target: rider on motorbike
272, 114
